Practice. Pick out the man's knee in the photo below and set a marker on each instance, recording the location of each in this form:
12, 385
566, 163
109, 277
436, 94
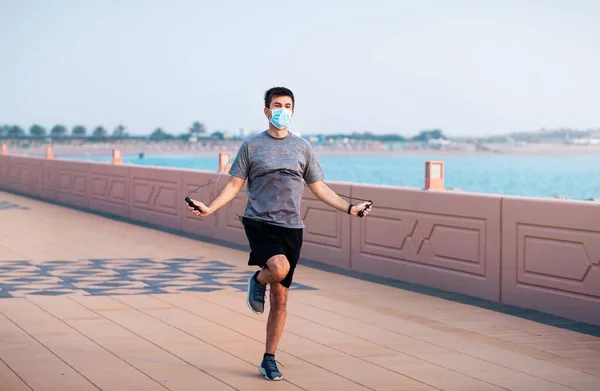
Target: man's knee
279, 267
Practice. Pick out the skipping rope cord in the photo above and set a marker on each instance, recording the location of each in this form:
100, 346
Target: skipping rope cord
191, 204
354, 198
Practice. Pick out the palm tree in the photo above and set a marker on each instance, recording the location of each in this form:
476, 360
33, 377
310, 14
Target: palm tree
159, 134
16, 131
119, 132
58, 131
37, 131
197, 128
79, 131
99, 132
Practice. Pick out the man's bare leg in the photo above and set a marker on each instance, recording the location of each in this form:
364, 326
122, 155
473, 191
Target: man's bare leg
275, 271
277, 316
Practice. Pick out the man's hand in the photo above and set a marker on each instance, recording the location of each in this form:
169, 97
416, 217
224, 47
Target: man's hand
205, 210
357, 208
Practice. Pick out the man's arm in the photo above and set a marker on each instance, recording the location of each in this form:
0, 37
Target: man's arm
226, 195
328, 196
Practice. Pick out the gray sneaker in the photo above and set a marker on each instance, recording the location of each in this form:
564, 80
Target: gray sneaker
269, 369
256, 294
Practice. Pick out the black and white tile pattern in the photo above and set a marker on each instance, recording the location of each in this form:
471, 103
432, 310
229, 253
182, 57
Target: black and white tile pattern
121, 277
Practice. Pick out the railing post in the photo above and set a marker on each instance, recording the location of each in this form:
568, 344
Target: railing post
117, 156
50, 151
224, 161
434, 175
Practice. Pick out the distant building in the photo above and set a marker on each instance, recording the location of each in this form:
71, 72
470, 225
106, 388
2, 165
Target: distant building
583, 141
438, 143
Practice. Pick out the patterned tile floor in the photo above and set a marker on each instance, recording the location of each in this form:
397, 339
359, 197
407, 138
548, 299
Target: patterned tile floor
121, 277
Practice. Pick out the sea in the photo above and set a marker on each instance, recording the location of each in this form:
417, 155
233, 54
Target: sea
572, 176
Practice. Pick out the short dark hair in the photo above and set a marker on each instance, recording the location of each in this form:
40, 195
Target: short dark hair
278, 91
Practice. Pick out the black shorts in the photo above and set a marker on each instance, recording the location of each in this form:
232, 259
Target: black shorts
267, 240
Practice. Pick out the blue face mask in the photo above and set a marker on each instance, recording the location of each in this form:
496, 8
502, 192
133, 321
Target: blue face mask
281, 117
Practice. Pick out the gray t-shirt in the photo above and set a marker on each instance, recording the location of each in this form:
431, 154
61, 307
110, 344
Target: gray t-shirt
276, 169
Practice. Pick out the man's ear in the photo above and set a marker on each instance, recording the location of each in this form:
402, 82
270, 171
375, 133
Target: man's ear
266, 111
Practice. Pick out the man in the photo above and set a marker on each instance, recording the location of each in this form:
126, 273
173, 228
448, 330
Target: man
276, 164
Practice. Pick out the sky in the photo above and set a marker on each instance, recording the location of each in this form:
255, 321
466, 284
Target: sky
469, 68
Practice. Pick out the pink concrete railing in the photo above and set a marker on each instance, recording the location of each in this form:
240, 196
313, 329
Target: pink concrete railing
536, 253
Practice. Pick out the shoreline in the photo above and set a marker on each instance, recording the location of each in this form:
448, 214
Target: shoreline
497, 150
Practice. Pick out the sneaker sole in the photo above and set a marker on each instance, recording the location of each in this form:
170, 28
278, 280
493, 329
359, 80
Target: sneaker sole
248, 296
262, 371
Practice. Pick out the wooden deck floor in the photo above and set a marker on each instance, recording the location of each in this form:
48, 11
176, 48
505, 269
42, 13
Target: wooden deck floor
91, 303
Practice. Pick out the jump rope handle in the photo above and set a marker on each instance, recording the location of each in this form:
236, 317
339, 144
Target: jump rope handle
361, 213
191, 204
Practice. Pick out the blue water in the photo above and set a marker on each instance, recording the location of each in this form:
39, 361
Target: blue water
575, 177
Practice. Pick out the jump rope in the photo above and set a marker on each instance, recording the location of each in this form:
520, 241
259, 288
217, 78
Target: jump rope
361, 213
